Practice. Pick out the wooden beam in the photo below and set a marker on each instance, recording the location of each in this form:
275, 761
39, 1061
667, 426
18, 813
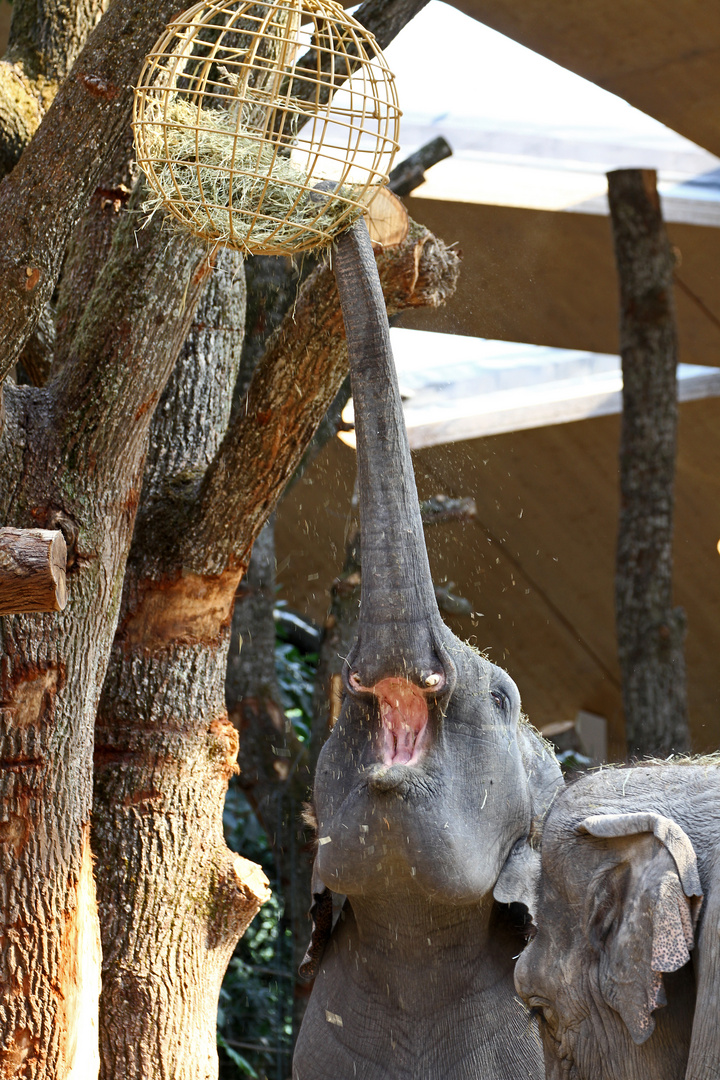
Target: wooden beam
32, 571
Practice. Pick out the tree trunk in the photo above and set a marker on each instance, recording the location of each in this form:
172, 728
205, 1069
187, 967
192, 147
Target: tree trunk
164, 747
650, 631
91, 422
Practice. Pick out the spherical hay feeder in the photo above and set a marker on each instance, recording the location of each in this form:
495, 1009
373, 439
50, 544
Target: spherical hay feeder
266, 127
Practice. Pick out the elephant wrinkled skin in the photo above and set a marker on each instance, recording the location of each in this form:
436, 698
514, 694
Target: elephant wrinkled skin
626, 894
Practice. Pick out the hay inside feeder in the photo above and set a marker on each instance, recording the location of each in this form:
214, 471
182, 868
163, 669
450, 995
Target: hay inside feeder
232, 186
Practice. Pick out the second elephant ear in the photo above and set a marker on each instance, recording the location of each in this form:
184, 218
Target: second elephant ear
642, 912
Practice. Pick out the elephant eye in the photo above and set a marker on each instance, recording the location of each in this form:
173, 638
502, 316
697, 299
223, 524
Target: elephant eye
543, 1013
500, 699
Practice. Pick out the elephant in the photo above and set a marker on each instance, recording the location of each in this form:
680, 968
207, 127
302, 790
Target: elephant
427, 782
625, 888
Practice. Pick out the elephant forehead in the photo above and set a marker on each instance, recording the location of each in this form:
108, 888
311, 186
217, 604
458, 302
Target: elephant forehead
566, 861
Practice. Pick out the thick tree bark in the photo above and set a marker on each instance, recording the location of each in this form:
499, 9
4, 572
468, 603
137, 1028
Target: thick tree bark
164, 746
650, 631
72, 457
61, 166
45, 39
32, 571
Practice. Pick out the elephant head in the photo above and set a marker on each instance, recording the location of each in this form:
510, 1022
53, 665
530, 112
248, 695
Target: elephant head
615, 899
430, 776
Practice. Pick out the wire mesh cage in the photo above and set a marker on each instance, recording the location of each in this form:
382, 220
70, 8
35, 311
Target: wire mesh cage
266, 127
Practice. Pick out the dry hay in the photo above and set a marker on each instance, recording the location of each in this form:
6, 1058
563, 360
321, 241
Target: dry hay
229, 185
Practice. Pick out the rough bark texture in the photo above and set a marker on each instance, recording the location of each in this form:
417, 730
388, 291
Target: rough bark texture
45, 38
650, 631
32, 571
61, 166
164, 747
71, 457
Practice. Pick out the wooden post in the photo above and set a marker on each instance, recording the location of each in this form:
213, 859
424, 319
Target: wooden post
32, 571
650, 632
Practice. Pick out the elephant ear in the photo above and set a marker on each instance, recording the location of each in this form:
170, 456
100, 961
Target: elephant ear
321, 913
520, 875
642, 913
518, 880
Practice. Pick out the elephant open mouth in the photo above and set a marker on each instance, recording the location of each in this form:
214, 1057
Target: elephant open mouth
404, 716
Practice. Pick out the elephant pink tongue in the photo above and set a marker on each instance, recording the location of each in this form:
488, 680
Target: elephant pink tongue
404, 713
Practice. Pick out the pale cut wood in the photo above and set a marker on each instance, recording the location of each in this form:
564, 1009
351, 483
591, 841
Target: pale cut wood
386, 217
32, 571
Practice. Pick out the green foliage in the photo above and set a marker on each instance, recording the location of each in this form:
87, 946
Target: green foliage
572, 761
255, 1009
295, 675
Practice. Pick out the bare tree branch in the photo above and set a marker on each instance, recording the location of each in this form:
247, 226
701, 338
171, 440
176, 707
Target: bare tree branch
383, 18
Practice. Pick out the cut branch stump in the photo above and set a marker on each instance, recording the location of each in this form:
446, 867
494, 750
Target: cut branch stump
32, 571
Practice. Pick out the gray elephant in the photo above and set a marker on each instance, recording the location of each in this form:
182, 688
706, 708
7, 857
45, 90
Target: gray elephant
628, 885
427, 782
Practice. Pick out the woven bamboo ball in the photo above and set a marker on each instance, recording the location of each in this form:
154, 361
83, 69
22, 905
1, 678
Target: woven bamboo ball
266, 127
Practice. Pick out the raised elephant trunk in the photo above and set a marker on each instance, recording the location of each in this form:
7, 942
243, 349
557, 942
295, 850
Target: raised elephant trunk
423, 789
400, 632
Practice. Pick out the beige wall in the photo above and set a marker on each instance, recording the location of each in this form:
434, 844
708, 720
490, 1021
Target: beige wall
660, 55
548, 278
538, 562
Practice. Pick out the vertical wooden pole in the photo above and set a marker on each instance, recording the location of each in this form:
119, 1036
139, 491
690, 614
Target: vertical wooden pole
650, 631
